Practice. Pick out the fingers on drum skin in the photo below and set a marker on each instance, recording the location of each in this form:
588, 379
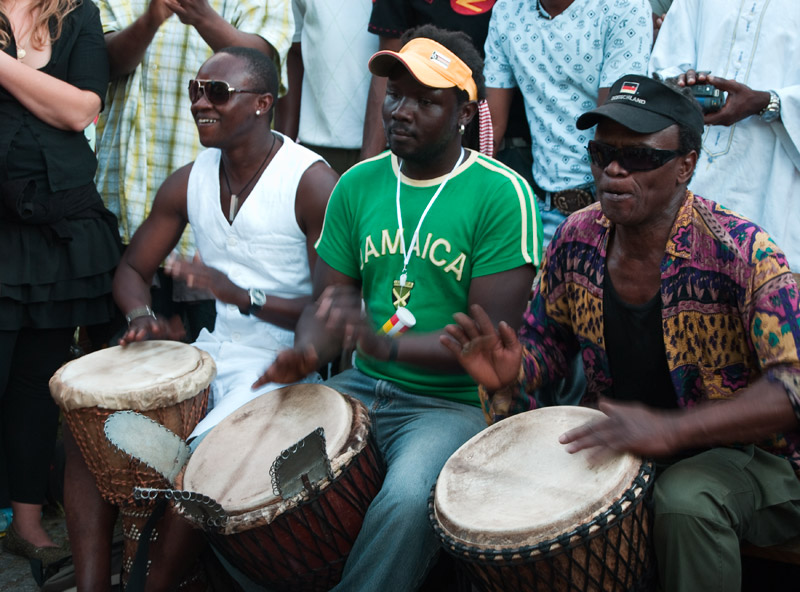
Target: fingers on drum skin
289, 366
573, 434
585, 436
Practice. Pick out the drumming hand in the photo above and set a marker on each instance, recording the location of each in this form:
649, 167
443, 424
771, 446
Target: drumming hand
289, 366
373, 345
742, 101
147, 327
340, 309
490, 356
629, 427
200, 276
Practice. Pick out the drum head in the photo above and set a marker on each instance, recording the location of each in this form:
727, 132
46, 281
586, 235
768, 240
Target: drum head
144, 375
232, 463
514, 484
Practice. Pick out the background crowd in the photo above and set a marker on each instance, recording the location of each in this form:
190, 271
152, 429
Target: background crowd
68, 214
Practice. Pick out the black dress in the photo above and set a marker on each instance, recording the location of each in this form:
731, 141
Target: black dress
59, 247
59, 244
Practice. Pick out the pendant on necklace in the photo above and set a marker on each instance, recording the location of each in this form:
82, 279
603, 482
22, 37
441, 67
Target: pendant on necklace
234, 207
401, 292
21, 53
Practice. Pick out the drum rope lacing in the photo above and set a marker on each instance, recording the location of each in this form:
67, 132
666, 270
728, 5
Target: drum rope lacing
558, 544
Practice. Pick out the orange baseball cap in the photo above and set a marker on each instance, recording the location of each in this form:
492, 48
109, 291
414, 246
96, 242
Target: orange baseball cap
431, 63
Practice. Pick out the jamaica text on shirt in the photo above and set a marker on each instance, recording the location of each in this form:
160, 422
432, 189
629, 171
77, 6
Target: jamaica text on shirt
437, 250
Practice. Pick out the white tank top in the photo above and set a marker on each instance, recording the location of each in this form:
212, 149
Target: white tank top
263, 247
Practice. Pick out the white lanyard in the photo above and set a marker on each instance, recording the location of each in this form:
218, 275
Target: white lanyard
415, 238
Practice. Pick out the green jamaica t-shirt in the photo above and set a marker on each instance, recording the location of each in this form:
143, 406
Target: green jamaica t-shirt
484, 221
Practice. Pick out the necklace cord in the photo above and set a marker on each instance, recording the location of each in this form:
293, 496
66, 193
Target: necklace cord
415, 236
234, 208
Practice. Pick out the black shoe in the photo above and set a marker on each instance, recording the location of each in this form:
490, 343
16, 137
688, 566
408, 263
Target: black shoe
13, 543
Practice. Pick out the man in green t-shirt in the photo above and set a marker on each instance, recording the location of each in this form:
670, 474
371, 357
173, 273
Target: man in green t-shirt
431, 228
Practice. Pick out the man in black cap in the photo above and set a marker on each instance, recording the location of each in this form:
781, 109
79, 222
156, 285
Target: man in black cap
686, 317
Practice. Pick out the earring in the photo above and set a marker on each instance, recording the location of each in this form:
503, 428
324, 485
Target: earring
258, 112
461, 129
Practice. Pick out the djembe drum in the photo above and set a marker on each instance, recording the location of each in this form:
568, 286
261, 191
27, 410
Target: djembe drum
166, 381
519, 513
294, 472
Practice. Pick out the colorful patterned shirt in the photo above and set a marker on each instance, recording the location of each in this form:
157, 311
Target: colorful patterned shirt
146, 130
729, 309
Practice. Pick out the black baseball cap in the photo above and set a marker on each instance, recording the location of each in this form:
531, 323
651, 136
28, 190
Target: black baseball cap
645, 105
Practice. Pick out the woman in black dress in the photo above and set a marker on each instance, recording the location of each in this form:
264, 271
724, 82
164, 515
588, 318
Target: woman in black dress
58, 243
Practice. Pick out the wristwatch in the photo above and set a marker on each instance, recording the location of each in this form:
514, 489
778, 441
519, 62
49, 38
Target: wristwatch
258, 299
773, 109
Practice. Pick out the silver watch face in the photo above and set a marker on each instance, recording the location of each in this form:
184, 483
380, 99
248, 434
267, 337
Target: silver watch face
773, 109
771, 114
257, 297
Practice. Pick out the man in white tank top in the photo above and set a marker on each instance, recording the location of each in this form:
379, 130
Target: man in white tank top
256, 201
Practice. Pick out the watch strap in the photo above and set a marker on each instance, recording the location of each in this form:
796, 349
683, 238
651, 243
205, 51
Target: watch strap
139, 311
773, 109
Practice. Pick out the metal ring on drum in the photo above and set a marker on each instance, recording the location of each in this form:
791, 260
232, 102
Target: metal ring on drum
520, 514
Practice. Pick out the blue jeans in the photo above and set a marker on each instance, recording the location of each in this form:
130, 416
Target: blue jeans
415, 434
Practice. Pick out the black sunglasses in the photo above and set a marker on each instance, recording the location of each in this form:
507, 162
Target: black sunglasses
630, 158
218, 92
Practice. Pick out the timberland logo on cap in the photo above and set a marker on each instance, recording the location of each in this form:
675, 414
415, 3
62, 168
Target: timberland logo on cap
443, 61
629, 88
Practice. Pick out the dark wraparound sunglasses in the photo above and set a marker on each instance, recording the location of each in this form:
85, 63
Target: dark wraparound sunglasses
630, 158
218, 92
